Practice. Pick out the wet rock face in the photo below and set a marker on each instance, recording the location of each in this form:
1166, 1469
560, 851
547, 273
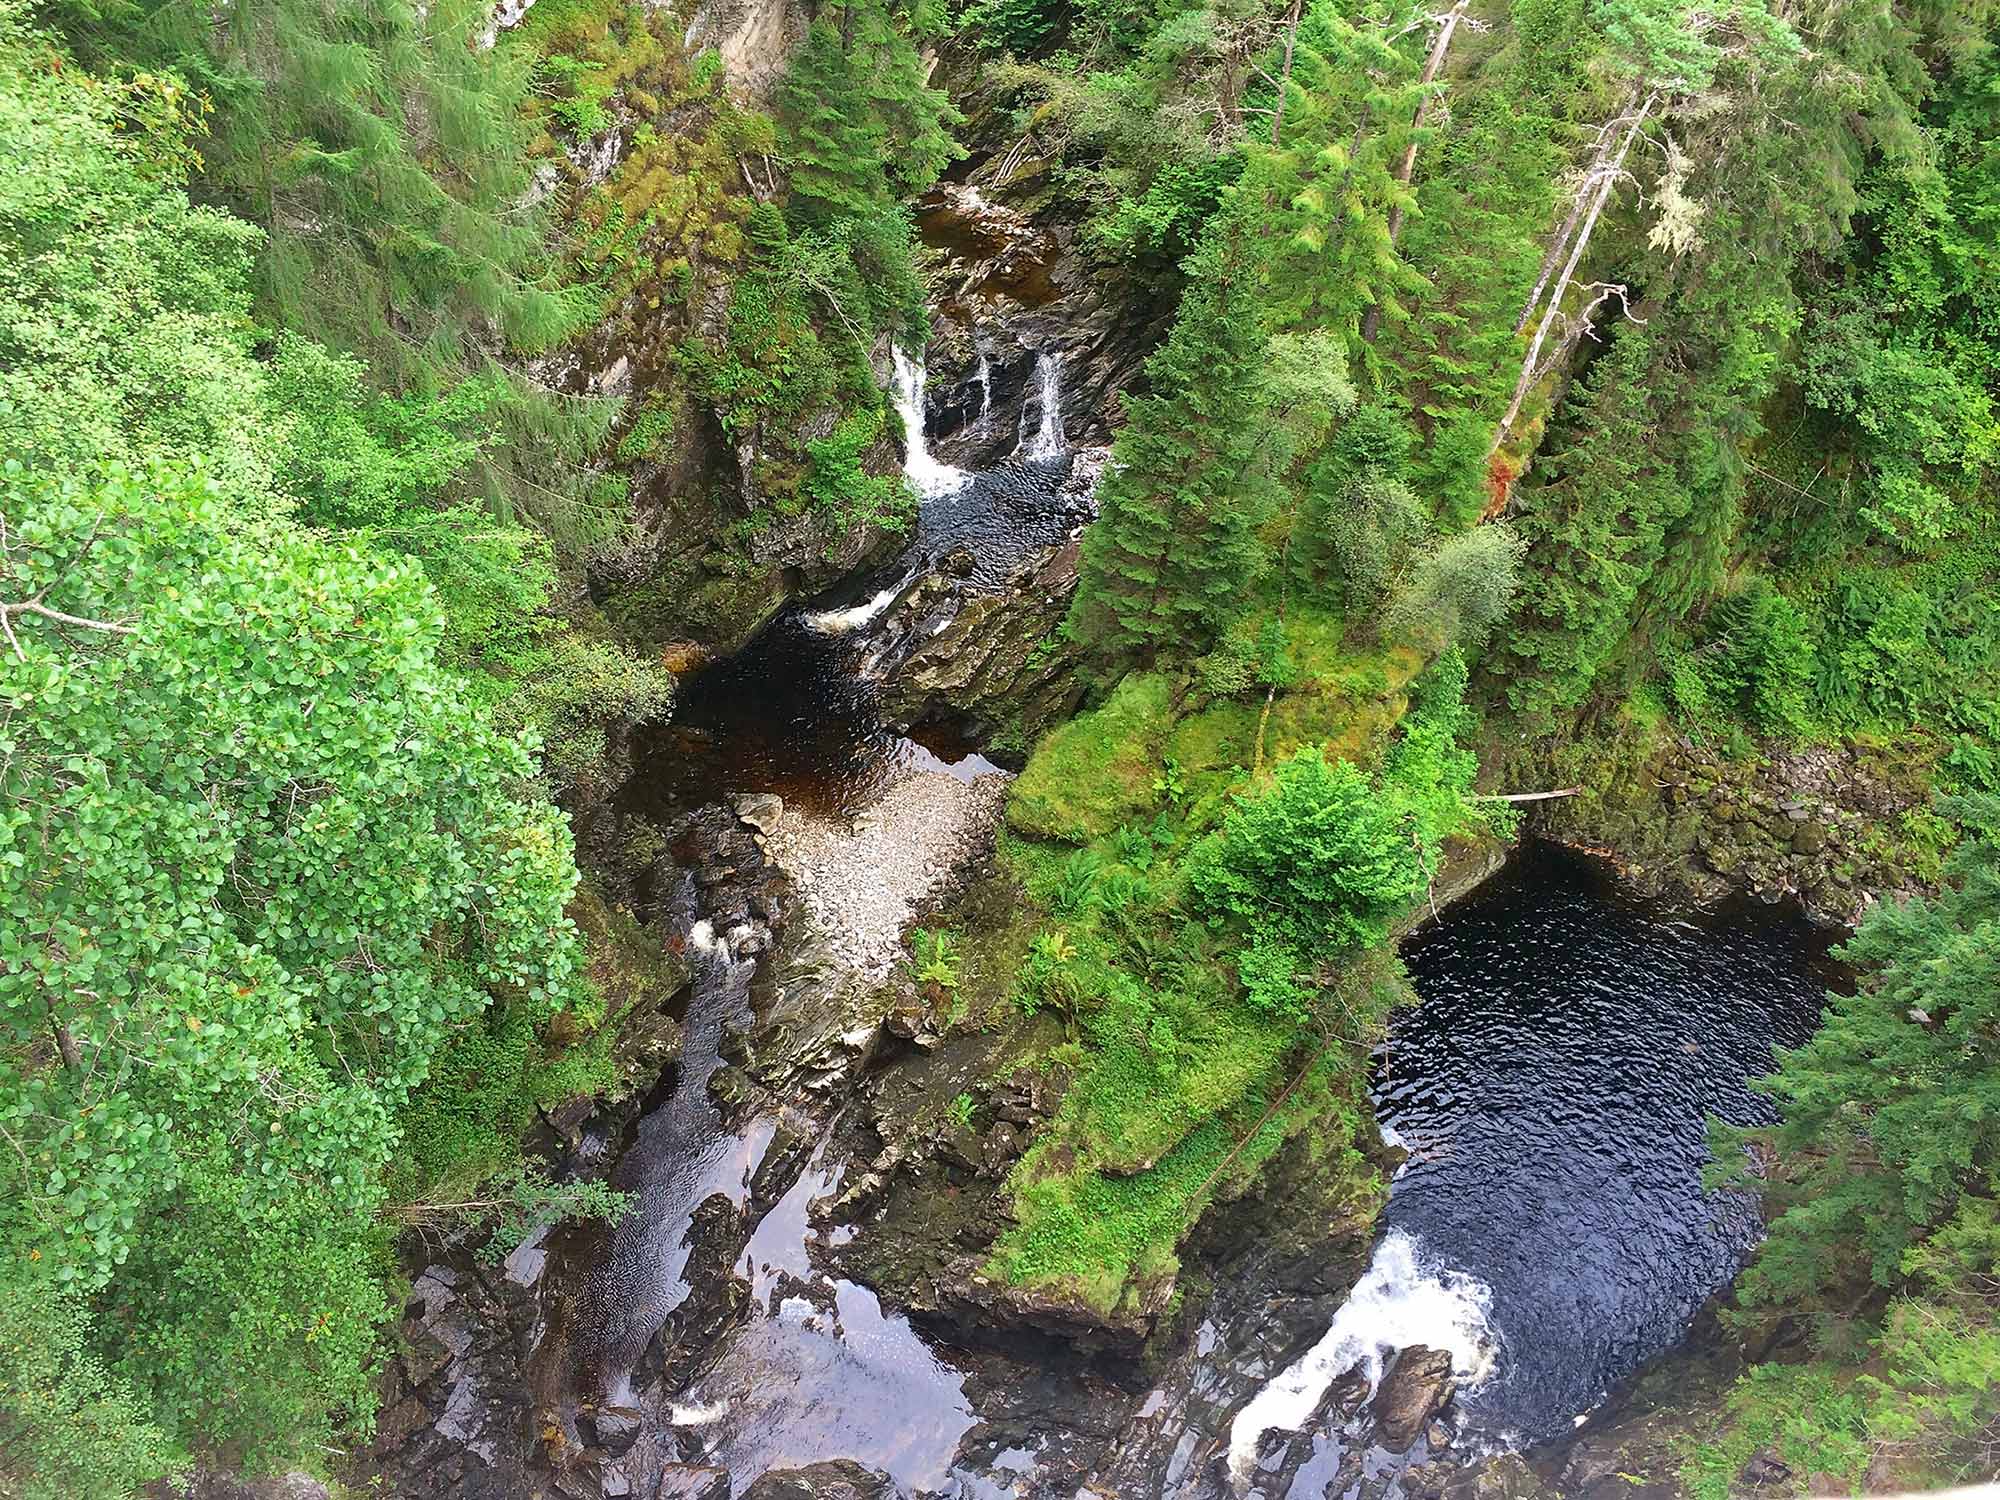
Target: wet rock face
1820, 824
692, 1482
1020, 300
836, 1479
1414, 1391
754, 37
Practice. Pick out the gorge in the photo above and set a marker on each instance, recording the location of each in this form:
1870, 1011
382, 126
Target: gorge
1547, 1098
1055, 749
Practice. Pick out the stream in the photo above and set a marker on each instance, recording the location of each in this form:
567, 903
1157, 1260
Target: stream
1548, 1229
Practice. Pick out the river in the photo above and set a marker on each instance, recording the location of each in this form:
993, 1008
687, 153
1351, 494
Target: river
1548, 1228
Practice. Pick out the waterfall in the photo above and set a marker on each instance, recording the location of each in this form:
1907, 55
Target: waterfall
841, 621
926, 473
1047, 440
1400, 1302
984, 375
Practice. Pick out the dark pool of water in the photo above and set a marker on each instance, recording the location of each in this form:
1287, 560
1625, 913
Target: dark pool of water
799, 710
1553, 1088
792, 714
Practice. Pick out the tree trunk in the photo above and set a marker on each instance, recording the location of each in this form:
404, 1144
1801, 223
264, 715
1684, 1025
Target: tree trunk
1285, 74
1553, 255
1371, 322
1608, 182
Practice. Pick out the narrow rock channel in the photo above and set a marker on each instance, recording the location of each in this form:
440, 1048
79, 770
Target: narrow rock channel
1546, 1233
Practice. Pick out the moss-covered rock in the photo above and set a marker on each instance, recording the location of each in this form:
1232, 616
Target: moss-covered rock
1100, 769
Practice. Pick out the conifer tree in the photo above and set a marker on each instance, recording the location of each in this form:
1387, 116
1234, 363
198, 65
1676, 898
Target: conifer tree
1327, 189
1167, 561
1592, 528
386, 157
862, 126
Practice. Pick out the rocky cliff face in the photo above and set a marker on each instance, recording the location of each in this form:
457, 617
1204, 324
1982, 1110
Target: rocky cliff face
1837, 828
754, 37
1024, 320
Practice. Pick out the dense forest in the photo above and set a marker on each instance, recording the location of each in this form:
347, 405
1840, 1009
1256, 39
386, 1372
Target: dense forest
1551, 386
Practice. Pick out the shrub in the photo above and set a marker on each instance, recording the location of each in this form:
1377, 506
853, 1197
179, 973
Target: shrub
1320, 864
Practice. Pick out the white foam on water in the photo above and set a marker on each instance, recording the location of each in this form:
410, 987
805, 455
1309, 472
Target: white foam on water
694, 1416
702, 937
841, 621
926, 473
1399, 1303
1048, 440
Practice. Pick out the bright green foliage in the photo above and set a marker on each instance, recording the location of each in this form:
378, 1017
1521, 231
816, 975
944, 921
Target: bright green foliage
934, 959
862, 127
1097, 771
1321, 864
1889, 1110
1883, 1173
131, 338
1917, 392
124, 310
264, 859
72, 1428
1327, 185
319, 865
862, 131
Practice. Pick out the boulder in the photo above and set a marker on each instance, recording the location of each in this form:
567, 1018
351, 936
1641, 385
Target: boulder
613, 1428
1415, 1390
835, 1479
905, 1021
1765, 1468
761, 810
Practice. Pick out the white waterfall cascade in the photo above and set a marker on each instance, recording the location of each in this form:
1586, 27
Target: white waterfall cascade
1047, 441
984, 375
842, 621
926, 473
1400, 1302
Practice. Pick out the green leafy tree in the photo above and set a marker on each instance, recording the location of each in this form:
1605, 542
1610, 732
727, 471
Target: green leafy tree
259, 864
1319, 865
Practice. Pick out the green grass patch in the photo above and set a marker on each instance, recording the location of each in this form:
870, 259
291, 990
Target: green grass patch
1097, 771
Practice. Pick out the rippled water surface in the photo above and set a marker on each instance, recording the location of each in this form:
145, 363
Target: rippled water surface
798, 711
1553, 1087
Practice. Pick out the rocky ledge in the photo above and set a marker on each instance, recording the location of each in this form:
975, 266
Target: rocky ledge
1837, 827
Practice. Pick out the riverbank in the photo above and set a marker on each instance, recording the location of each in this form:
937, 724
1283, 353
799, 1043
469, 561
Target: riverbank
864, 878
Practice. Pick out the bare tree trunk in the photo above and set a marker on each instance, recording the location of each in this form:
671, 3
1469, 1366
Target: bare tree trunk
1371, 322
1553, 255
1608, 182
1285, 76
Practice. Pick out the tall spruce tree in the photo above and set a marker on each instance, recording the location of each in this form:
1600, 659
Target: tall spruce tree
385, 155
1325, 190
1167, 561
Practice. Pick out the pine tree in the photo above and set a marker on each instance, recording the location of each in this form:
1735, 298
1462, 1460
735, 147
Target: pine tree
1325, 191
1592, 527
386, 157
862, 127
1166, 563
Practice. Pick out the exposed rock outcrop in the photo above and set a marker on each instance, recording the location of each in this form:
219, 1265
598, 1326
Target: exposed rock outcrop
1416, 1388
755, 39
1838, 827
836, 1479
1023, 317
